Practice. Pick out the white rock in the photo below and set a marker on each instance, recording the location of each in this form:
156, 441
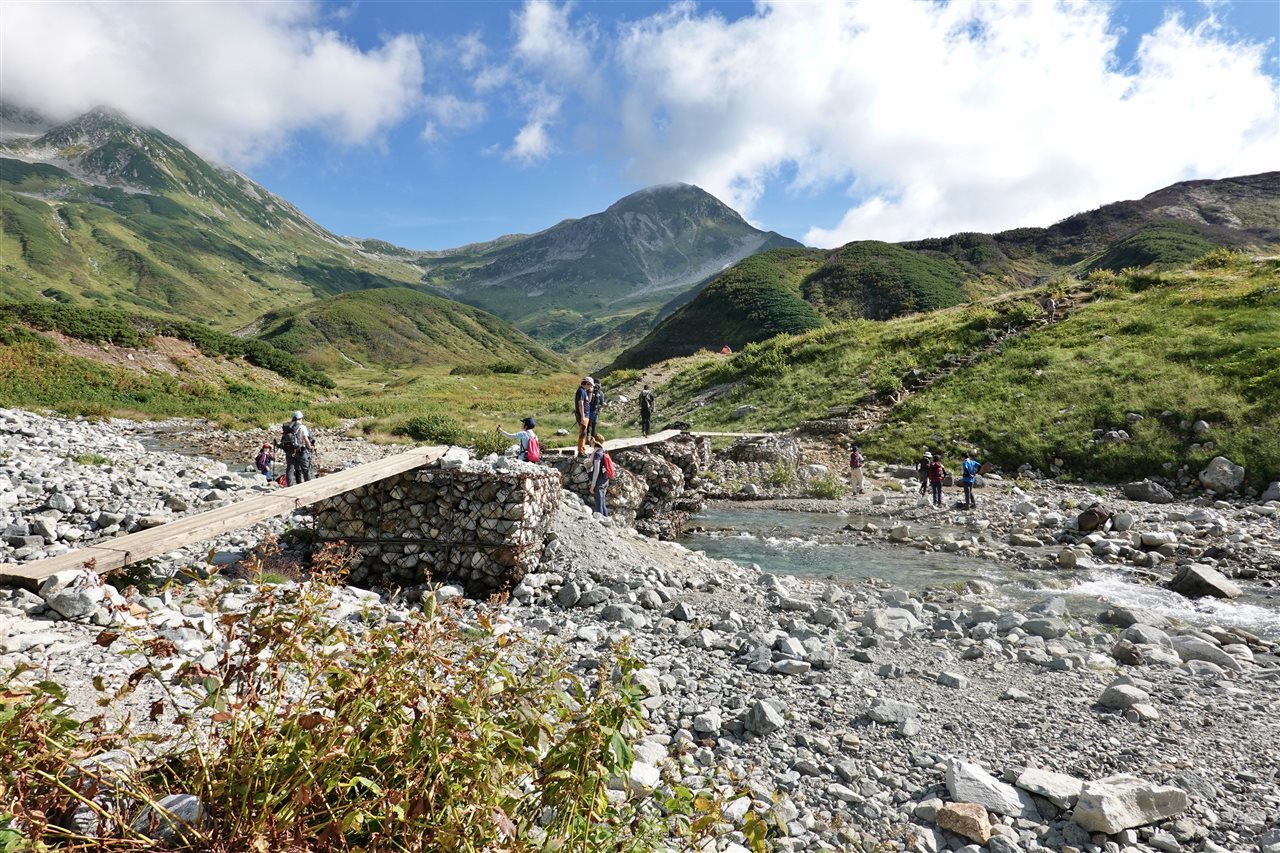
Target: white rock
1122, 802
1058, 788
969, 783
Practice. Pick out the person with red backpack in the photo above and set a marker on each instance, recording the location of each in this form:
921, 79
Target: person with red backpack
601, 473
936, 475
856, 461
530, 449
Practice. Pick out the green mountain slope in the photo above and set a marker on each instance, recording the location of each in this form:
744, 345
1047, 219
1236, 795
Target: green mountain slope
614, 264
100, 211
397, 327
875, 280
1172, 347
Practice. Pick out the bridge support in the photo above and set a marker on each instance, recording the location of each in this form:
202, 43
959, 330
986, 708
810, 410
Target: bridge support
480, 526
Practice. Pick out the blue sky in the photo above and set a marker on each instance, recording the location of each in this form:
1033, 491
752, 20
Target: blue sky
436, 124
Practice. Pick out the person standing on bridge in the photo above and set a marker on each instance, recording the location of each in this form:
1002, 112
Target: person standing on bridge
646, 410
582, 413
295, 440
597, 406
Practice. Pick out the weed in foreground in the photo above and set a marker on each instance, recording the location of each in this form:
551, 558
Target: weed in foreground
324, 734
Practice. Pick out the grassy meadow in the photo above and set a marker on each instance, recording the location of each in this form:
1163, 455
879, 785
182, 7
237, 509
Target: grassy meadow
1200, 342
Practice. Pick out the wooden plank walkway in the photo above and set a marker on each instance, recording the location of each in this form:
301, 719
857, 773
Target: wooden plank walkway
109, 554
114, 553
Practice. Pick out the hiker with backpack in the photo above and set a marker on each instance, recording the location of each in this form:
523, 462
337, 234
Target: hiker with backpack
646, 410
582, 413
936, 475
922, 471
530, 449
856, 461
266, 461
597, 406
295, 441
601, 474
968, 477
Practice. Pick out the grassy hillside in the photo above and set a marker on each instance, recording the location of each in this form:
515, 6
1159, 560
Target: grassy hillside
753, 300
398, 327
875, 280
1199, 342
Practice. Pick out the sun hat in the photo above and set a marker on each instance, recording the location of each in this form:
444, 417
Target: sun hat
928, 455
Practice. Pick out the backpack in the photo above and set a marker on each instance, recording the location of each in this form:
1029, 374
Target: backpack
935, 472
597, 400
1093, 518
533, 451
607, 466
289, 435
646, 401
855, 459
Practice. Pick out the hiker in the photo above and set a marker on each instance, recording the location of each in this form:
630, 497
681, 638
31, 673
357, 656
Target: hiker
646, 410
968, 476
266, 461
601, 475
295, 441
597, 406
856, 461
530, 449
1050, 306
582, 413
936, 475
922, 471
726, 350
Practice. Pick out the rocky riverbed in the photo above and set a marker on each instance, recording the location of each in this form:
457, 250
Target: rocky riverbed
848, 711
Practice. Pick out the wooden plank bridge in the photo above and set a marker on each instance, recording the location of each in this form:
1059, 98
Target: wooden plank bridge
117, 552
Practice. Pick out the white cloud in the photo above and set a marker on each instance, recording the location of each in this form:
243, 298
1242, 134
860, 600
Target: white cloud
234, 80
547, 40
449, 112
533, 141
939, 117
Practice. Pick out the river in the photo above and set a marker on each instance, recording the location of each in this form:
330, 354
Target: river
814, 545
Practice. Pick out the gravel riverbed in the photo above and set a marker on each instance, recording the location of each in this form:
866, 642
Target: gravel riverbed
927, 718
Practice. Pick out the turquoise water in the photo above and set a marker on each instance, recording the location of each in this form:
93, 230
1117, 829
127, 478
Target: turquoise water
809, 545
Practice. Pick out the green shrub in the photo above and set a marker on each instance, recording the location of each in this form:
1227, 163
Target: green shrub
484, 442
826, 487
330, 735
781, 475
434, 428
90, 459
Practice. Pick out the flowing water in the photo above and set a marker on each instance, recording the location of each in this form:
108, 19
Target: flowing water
813, 545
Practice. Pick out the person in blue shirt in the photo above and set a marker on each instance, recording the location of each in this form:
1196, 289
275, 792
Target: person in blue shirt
968, 476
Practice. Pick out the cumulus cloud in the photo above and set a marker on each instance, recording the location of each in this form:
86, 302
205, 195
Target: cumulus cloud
533, 141
449, 112
548, 39
939, 117
234, 80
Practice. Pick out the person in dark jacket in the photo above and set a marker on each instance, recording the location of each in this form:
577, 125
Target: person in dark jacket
922, 471
582, 413
597, 407
646, 410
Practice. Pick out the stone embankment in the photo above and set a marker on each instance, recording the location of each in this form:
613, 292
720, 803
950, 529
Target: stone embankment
849, 713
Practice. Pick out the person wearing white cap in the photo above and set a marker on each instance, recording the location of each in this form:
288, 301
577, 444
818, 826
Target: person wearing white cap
295, 440
922, 471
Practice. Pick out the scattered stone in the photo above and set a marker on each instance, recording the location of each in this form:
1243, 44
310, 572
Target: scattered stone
965, 819
1122, 802
1058, 788
1197, 581
1147, 492
1222, 476
969, 783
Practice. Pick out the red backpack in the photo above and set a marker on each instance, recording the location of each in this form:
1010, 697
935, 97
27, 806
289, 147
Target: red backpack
533, 452
935, 471
607, 466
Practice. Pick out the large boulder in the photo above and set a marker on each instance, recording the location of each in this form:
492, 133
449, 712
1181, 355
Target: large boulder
1123, 802
1272, 493
1147, 492
969, 783
1222, 476
1197, 581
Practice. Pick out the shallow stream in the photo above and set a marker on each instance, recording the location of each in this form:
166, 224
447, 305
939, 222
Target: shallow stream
809, 544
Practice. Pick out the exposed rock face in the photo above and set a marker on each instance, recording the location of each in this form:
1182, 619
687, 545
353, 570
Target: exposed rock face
649, 486
1196, 581
1222, 476
1122, 802
477, 524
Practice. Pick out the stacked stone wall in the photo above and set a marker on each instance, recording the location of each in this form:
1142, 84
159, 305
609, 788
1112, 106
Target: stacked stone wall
481, 526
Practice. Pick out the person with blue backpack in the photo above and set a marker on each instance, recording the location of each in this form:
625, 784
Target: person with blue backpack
530, 449
968, 477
